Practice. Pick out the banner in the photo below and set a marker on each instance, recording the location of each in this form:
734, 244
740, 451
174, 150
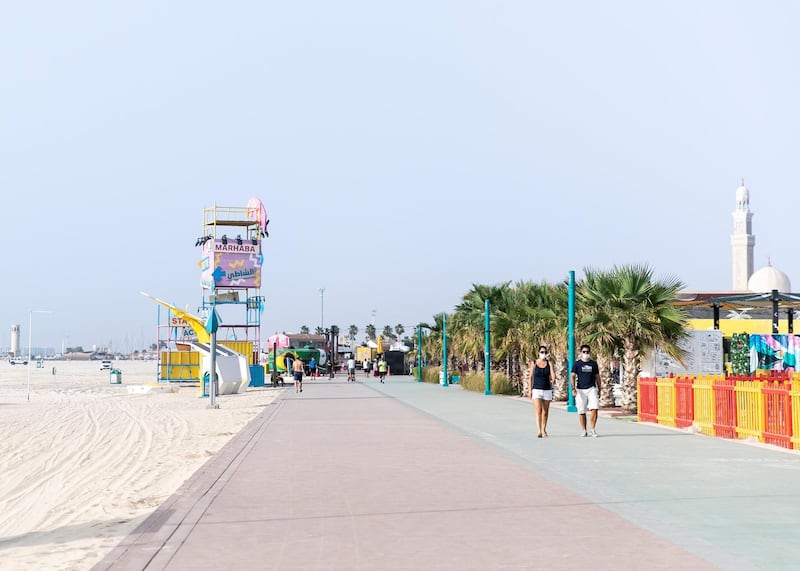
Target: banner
231, 264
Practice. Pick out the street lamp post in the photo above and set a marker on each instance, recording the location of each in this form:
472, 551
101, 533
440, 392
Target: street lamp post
419, 353
444, 350
30, 341
322, 308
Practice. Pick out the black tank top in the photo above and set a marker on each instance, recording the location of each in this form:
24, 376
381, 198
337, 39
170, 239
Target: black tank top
541, 377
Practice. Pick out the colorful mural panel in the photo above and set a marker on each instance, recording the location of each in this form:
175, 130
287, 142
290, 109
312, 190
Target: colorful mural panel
774, 352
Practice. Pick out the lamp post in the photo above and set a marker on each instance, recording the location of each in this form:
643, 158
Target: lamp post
487, 348
322, 308
571, 341
419, 353
444, 350
30, 341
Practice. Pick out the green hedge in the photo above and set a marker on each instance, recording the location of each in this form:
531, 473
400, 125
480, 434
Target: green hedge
499, 382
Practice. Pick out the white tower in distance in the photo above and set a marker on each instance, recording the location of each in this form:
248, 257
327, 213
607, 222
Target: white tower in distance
14, 351
742, 240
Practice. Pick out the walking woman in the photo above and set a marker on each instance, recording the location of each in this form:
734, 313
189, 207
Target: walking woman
541, 375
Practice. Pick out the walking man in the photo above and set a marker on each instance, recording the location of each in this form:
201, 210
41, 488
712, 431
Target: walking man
586, 389
297, 371
312, 367
382, 367
351, 370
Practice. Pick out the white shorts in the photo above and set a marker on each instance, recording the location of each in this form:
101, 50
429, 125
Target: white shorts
544, 394
587, 399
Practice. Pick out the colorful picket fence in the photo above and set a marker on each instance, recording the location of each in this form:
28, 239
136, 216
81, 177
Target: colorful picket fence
765, 406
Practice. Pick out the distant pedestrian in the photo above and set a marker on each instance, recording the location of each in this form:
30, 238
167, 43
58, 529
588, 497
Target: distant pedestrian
312, 367
351, 370
382, 368
586, 389
541, 375
367, 367
297, 370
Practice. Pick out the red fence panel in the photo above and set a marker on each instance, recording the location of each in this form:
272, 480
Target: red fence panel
725, 408
777, 414
648, 399
684, 397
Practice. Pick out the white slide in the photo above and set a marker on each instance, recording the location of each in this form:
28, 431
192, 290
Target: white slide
233, 372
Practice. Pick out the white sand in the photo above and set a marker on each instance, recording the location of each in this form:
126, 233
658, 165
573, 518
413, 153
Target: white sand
85, 462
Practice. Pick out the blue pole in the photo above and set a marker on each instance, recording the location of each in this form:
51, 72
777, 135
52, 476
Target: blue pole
419, 353
487, 347
571, 341
444, 347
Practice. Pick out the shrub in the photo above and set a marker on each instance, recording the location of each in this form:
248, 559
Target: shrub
499, 383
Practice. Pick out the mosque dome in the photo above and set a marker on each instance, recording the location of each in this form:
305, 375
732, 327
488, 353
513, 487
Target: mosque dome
767, 279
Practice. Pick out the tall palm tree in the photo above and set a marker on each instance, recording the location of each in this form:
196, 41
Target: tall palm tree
370, 331
399, 330
548, 327
352, 331
468, 322
387, 332
596, 326
304, 330
639, 312
432, 341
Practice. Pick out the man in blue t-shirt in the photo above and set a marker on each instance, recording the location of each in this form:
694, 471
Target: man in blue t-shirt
586, 389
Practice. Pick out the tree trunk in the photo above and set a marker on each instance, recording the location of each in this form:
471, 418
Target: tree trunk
606, 388
526, 382
560, 369
630, 359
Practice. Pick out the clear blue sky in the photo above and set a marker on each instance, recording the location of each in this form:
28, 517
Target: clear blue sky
403, 150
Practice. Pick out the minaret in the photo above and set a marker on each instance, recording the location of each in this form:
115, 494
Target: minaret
742, 240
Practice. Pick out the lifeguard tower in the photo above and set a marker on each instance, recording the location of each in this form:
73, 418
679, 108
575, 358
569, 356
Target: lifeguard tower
230, 263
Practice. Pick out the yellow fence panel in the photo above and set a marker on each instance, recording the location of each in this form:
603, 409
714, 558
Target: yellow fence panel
704, 403
749, 409
665, 388
794, 394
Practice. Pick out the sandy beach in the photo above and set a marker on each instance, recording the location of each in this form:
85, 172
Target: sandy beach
84, 462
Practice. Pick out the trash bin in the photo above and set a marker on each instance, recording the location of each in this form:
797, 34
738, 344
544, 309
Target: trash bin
115, 377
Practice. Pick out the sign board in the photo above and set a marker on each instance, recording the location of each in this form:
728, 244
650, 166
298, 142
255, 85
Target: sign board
703, 355
230, 264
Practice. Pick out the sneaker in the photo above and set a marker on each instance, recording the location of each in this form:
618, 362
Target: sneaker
584, 433
593, 434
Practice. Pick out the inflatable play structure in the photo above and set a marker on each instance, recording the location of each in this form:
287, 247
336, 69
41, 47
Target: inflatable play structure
230, 263
283, 360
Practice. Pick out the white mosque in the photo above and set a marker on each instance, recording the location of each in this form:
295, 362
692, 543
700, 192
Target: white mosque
767, 278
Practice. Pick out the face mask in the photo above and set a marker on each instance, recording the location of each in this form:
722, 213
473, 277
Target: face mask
543, 355
585, 356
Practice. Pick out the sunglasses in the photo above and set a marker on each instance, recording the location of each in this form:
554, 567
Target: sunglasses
585, 352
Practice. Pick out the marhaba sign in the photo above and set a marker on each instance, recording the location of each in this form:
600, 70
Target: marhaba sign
231, 264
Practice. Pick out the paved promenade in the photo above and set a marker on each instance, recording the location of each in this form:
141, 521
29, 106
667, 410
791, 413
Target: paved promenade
408, 475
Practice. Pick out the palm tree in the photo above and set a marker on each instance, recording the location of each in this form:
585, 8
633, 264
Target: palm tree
387, 332
468, 322
596, 326
304, 330
547, 326
638, 311
319, 331
432, 341
352, 331
370, 331
399, 330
